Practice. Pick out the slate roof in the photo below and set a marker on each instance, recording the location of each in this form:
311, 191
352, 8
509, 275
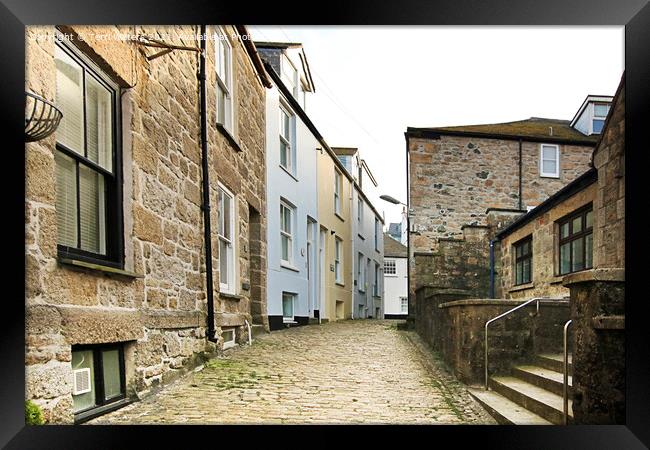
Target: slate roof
532, 129
393, 248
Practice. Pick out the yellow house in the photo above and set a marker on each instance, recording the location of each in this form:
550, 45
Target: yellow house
334, 200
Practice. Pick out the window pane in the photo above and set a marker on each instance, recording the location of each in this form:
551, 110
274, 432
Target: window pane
285, 247
565, 258
221, 105
590, 219
82, 360
284, 154
287, 305
549, 166
548, 153
66, 199
576, 225
92, 210
578, 262
111, 369
223, 261
518, 273
98, 123
225, 210
564, 230
601, 110
526, 271
69, 99
589, 244
598, 125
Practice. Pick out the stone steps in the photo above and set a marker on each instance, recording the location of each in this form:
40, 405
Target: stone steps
553, 361
258, 330
537, 400
505, 411
544, 378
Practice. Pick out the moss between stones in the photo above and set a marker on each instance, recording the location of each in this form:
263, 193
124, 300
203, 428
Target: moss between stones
231, 375
33, 414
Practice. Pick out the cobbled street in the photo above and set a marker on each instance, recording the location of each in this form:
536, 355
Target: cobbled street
364, 371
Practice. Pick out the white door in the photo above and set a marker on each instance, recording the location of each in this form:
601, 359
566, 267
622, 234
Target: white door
311, 276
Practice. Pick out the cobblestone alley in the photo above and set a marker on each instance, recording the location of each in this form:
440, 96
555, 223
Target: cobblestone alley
343, 372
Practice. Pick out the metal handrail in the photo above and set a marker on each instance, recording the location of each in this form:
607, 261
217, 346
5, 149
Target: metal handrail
536, 299
566, 373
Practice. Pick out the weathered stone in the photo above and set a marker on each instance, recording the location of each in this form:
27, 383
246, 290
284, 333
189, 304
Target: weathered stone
96, 326
146, 225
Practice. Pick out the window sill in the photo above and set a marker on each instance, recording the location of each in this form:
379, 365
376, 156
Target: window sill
224, 131
288, 172
288, 320
548, 176
98, 267
288, 266
101, 410
339, 284
339, 216
521, 287
229, 296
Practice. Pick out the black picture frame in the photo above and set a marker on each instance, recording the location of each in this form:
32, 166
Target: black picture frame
634, 14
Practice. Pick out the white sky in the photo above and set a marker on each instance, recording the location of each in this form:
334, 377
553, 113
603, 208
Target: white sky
373, 82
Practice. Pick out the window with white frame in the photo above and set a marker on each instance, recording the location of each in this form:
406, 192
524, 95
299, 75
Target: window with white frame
286, 232
226, 241
389, 267
375, 287
288, 303
228, 335
376, 234
361, 273
289, 76
338, 180
87, 204
224, 80
287, 120
549, 160
360, 212
600, 114
404, 304
338, 255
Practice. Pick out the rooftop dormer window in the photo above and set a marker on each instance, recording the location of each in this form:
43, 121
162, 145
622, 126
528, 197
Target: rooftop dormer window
290, 76
600, 114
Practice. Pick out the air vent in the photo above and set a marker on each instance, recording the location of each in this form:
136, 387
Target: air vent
81, 381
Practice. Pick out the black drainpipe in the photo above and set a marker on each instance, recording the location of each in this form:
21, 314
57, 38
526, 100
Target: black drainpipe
492, 241
521, 205
207, 234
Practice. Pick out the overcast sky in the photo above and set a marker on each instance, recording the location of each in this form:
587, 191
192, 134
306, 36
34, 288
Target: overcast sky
373, 82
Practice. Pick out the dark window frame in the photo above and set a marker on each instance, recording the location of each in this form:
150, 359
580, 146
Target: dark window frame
583, 233
98, 379
520, 259
114, 226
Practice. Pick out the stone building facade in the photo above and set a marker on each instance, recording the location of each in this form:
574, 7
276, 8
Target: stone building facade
468, 182
111, 324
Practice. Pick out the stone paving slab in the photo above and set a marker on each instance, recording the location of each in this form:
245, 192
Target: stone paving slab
361, 371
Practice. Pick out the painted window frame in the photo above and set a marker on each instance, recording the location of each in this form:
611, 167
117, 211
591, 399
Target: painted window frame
231, 342
338, 188
230, 242
402, 304
111, 239
286, 70
584, 233
361, 272
375, 287
390, 267
287, 234
288, 141
542, 173
520, 260
338, 263
224, 81
99, 386
595, 117
293, 296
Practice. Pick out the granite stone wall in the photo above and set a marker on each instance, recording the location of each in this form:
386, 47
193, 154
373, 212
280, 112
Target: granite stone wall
157, 307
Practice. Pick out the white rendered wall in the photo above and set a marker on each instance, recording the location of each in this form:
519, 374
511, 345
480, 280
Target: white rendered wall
395, 286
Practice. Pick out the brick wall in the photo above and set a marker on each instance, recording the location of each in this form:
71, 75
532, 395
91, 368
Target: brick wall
160, 316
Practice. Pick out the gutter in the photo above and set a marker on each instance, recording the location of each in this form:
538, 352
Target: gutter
435, 134
254, 56
205, 206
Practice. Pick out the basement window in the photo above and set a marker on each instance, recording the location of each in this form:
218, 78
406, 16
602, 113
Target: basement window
288, 303
523, 261
228, 335
97, 376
